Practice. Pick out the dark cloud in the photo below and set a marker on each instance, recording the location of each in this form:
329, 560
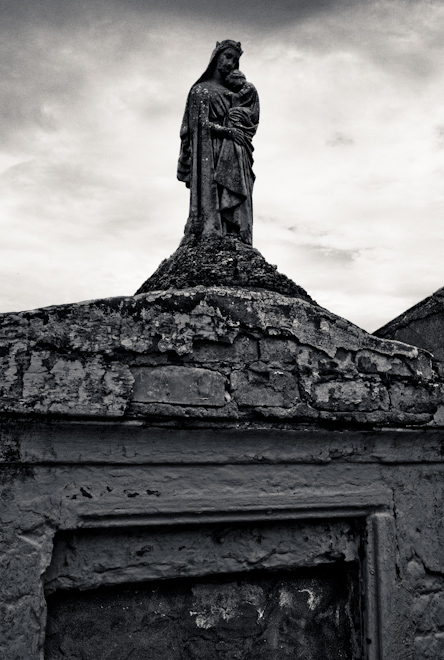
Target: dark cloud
52, 50
55, 56
33, 80
340, 140
261, 14
265, 14
53, 13
40, 70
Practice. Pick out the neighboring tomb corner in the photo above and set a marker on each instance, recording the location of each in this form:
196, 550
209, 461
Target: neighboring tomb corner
422, 325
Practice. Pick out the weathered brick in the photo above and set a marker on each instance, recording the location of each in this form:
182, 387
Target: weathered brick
181, 385
370, 362
411, 398
278, 350
272, 388
54, 384
350, 395
244, 349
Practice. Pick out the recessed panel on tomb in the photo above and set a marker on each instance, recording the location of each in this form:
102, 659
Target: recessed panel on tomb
256, 591
309, 613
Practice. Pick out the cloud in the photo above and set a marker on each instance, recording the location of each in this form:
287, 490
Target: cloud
350, 186
340, 140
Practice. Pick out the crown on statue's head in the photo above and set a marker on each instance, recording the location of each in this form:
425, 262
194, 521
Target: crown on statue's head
228, 43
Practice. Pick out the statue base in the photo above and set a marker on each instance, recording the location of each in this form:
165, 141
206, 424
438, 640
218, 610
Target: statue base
220, 261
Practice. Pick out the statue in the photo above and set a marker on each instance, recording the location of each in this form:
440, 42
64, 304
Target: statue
216, 155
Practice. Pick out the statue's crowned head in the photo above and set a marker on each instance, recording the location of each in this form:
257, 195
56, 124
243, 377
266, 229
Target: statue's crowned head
232, 50
223, 45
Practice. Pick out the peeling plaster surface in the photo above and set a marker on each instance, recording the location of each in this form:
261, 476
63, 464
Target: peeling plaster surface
211, 353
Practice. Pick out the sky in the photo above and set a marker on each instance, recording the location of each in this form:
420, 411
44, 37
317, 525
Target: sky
349, 155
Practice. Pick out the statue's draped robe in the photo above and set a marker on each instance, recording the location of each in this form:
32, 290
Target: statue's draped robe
218, 171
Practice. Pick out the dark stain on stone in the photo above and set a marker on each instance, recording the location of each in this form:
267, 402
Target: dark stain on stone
12, 473
9, 445
145, 550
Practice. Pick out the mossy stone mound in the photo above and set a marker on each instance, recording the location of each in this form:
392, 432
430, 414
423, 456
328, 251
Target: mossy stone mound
220, 261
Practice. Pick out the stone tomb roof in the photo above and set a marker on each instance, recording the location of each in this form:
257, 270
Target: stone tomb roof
214, 355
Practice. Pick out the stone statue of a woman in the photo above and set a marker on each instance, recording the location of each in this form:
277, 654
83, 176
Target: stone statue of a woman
215, 162
216, 157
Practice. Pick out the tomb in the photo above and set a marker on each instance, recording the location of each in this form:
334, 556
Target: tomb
217, 467
215, 448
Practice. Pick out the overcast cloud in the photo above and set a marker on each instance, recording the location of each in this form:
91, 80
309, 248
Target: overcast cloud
349, 195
